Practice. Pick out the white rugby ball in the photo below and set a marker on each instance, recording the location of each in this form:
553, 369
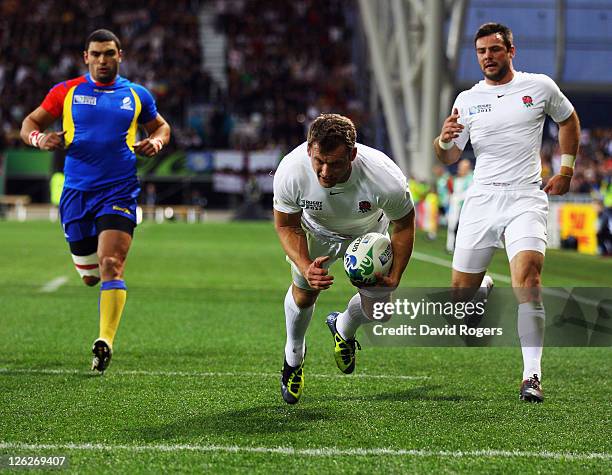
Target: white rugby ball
366, 256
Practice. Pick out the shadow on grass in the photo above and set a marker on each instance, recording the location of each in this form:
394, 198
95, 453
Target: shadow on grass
419, 393
269, 419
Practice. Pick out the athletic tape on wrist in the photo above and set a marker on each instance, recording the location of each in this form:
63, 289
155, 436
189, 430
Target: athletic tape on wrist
445, 145
568, 160
35, 138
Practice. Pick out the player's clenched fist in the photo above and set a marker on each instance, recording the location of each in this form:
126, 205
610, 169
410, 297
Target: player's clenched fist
451, 127
48, 141
148, 147
317, 276
558, 185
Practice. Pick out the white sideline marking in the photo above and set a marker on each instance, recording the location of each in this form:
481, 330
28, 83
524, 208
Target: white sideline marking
316, 452
54, 284
419, 256
208, 374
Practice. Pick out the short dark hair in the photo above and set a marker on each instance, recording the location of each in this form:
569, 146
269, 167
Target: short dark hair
100, 36
492, 28
330, 131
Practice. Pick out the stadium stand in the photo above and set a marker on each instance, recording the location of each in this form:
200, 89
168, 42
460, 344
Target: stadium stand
287, 62
42, 44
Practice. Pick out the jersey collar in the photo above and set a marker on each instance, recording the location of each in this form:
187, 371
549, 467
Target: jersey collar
101, 84
501, 87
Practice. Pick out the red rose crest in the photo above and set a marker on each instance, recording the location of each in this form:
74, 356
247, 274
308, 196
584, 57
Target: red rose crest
365, 206
527, 101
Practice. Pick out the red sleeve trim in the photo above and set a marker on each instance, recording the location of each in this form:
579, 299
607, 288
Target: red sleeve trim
54, 101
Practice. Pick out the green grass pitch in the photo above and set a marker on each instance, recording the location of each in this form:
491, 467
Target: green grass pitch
193, 386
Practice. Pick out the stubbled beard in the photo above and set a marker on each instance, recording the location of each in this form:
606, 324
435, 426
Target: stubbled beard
499, 75
108, 77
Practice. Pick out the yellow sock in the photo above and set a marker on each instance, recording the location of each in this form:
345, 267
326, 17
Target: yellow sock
113, 294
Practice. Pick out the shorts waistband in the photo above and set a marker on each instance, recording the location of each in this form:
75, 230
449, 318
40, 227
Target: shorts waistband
500, 187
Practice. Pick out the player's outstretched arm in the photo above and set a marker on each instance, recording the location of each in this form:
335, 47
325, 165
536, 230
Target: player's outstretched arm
402, 243
159, 136
33, 127
446, 151
569, 139
293, 239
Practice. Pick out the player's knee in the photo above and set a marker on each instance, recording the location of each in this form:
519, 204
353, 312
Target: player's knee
460, 283
461, 291
90, 280
304, 298
464, 285
111, 265
305, 301
456, 282
529, 280
527, 275
534, 280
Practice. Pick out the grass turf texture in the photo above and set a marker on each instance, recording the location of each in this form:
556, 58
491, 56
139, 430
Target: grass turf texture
195, 370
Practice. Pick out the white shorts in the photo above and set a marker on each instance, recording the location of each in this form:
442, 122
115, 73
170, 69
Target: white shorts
494, 216
319, 246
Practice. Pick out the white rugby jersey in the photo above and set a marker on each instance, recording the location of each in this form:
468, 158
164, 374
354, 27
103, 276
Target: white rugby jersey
505, 123
375, 193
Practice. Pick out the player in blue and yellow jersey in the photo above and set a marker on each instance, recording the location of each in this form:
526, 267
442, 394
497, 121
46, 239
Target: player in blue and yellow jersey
100, 112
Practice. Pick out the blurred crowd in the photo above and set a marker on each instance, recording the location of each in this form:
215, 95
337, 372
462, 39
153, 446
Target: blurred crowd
287, 62
593, 170
42, 42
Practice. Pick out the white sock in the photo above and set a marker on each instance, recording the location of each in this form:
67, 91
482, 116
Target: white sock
351, 319
296, 320
531, 317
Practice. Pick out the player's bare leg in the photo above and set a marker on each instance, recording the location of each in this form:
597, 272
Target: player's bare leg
299, 307
304, 298
467, 286
465, 280
474, 287
113, 247
526, 269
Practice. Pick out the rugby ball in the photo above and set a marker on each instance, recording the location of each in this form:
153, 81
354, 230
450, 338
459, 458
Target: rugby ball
366, 256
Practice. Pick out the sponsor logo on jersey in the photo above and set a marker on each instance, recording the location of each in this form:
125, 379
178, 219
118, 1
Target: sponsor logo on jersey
309, 204
87, 100
527, 101
365, 206
124, 210
479, 108
105, 91
126, 104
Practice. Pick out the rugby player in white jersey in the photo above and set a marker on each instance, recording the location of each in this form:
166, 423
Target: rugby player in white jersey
327, 192
503, 116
